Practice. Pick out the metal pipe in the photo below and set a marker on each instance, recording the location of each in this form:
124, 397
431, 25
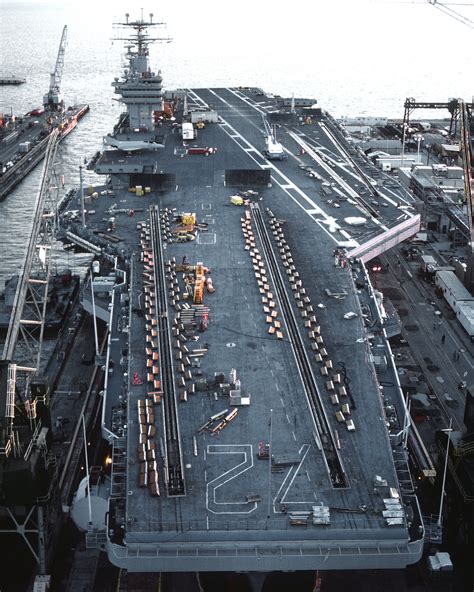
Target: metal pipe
87, 470
270, 466
447, 431
95, 316
83, 213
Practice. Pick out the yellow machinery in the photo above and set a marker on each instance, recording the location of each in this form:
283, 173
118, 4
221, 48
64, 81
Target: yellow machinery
188, 219
199, 286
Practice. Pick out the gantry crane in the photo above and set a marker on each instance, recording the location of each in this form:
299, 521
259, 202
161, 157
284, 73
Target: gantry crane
54, 99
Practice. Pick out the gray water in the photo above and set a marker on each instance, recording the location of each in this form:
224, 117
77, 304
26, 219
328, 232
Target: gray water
356, 58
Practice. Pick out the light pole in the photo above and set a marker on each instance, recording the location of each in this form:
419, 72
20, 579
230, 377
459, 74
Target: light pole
270, 467
428, 150
447, 432
83, 213
419, 138
403, 142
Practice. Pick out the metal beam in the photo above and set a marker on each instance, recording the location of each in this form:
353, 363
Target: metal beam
25, 332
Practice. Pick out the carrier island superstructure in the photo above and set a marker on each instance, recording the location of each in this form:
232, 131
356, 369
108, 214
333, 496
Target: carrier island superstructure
252, 406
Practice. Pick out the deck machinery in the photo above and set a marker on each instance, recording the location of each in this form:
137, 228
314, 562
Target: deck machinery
242, 320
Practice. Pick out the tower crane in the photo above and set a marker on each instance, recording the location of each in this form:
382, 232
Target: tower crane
53, 100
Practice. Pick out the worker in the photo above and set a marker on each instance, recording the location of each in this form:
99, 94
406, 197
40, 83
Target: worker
443, 339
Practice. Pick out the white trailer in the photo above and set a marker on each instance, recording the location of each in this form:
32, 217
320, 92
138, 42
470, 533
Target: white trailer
204, 116
395, 162
465, 315
428, 264
453, 289
187, 131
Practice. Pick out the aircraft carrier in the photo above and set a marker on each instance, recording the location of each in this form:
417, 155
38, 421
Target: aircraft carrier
251, 401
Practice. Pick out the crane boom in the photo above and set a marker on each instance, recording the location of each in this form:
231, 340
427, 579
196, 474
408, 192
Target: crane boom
54, 98
445, 7
274, 150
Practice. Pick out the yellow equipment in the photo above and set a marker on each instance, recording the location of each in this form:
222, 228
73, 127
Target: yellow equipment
188, 219
199, 286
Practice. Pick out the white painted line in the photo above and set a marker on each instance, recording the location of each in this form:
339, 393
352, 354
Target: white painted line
286, 180
242, 449
295, 473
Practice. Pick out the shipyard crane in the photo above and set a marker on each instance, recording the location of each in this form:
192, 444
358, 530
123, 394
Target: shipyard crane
445, 7
28, 472
53, 100
467, 164
274, 150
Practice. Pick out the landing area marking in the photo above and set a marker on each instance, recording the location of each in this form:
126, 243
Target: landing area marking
230, 507
281, 496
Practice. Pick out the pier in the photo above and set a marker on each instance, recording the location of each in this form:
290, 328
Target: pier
12, 80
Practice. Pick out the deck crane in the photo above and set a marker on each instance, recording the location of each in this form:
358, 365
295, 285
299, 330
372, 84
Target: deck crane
53, 100
274, 150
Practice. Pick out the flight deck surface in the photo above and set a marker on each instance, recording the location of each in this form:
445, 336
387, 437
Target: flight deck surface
284, 317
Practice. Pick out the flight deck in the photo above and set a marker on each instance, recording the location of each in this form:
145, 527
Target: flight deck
249, 374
